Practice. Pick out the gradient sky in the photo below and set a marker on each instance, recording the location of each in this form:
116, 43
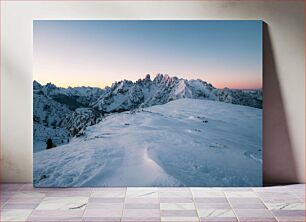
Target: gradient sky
99, 52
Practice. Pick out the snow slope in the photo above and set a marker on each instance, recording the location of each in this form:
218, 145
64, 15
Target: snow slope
60, 113
186, 142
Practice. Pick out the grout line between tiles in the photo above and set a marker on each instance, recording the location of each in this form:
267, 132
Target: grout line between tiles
158, 196
294, 194
198, 214
265, 205
36, 206
91, 191
123, 207
260, 198
229, 203
5, 202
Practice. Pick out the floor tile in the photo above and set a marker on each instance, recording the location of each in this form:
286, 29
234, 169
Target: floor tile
243, 194
145, 213
142, 192
176, 200
246, 203
296, 187
24, 194
175, 193
142, 200
14, 214
177, 206
179, 219
216, 213
248, 206
206, 192
25, 200
91, 205
140, 219
109, 193
244, 200
213, 205
255, 219
111, 189
174, 189
62, 203
27, 187
269, 197
289, 213
101, 219
178, 213
280, 200
141, 206
237, 189
279, 189
291, 219
105, 200
54, 219
10, 187
103, 212
68, 194
285, 206
56, 214
218, 219
20, 206
210, 200
300, 195
3, 200
253, 213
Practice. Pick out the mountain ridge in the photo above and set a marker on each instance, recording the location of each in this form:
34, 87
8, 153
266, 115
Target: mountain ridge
125, 94
61, 113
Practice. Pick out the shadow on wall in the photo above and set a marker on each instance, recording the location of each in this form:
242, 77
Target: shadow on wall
278, 160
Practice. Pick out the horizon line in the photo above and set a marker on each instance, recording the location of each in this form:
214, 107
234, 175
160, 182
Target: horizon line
66, 86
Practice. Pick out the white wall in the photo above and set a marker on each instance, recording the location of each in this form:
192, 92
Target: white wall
284, 95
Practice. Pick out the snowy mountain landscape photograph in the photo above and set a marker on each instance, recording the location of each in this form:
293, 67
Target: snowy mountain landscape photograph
141, 103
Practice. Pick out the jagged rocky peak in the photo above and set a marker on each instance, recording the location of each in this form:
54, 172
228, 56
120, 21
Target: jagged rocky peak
145, 81
50, 86
121, 86
127, 95
162, 78
147, 78
72, 97
36, 85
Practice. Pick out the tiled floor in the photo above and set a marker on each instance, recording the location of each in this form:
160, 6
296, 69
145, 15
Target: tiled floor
21, 202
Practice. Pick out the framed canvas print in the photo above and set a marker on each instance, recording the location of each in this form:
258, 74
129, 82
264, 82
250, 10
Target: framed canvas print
147, 103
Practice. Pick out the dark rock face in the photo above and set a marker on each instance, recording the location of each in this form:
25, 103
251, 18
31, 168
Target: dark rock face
126, 95
66, 112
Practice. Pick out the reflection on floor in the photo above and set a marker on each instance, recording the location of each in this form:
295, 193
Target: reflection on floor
22, 202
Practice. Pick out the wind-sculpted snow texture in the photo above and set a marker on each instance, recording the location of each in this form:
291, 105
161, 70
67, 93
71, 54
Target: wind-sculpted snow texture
186, 142
162, 132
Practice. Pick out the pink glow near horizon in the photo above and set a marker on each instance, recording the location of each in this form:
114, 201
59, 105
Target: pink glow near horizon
98, 53
244, 84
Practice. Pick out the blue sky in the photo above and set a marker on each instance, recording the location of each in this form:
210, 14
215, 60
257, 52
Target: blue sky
97, 53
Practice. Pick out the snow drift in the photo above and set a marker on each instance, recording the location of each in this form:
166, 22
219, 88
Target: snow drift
185, 142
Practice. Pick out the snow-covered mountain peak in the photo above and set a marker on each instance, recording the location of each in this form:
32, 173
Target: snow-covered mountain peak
65, 112
36, 85
50, 86
147, 78
162, 78
126, 95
